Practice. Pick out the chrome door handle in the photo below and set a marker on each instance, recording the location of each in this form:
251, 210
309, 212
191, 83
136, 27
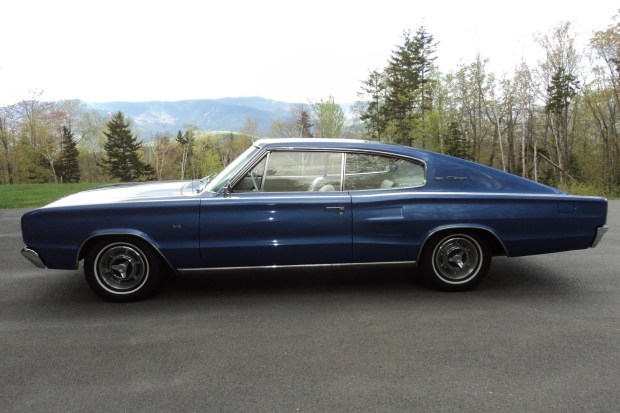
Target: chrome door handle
340, 209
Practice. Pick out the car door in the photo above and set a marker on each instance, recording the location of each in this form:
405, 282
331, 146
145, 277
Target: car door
288, 210
384, 210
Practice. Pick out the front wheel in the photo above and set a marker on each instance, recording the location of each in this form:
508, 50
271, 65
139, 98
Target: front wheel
122, 269
455, 261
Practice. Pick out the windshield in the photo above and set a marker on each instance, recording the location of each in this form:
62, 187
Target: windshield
231, 170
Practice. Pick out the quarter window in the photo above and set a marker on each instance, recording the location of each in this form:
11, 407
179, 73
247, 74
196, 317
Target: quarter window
366, 171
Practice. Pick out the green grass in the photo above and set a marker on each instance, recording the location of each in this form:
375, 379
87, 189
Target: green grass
36, 195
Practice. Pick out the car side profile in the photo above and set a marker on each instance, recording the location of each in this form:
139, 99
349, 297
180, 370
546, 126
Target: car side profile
311, 203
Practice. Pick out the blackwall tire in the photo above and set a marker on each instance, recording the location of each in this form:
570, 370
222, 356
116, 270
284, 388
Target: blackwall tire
122, 269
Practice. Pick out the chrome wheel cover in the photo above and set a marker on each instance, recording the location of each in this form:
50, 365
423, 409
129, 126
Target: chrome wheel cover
457, 258
121, 268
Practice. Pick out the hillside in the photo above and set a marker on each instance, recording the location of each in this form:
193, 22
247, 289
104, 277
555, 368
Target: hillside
225, 114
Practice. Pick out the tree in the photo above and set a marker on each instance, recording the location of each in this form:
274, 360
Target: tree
602, 98
122, 150
329, 118
401, 96
90, 137
68, 168
558, 83
302, 120
456, 144
164, 150
299, 124
7, 140
370, 108
283, 129
186, 140
40, 126
250, 128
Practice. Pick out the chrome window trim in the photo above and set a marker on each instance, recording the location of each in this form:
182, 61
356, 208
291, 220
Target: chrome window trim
343, 167
343, 151
399, 192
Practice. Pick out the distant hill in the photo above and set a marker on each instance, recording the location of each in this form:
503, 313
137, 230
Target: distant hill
226, 114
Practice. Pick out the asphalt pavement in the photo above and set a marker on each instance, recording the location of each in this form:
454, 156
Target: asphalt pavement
539, 334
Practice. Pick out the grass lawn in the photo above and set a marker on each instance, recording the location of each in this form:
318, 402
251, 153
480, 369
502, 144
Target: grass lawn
36, 195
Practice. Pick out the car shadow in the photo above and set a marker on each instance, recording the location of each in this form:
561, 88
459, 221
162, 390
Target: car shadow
281, 281
508, 278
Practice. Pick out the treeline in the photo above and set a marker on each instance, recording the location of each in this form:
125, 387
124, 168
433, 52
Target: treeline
60, 142
555, 122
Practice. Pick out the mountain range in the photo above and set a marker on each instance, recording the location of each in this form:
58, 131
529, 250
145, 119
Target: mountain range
225, 114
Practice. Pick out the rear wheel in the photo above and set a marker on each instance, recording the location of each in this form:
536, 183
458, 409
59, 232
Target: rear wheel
122, 269
456, 261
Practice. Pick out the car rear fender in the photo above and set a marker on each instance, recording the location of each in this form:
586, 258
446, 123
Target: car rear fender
494, 241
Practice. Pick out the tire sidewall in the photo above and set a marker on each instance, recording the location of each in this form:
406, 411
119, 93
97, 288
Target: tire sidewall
146, 287
435, 278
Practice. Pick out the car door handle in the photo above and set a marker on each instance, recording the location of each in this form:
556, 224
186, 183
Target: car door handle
340, 209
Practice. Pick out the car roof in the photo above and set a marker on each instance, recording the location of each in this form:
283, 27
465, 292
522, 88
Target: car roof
327, 143
439, 167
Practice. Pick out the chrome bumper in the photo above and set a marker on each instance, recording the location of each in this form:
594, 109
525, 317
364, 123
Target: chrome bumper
33, 257
600, 231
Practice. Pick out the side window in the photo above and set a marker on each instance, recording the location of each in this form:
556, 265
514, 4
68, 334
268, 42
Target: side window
365, 171
253, 181
302, 171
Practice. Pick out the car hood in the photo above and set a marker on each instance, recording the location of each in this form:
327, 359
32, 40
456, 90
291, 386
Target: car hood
129, 192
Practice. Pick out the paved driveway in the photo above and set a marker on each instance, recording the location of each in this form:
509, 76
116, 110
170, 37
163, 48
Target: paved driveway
539, 334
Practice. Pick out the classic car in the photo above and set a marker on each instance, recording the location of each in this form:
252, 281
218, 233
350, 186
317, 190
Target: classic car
311, 203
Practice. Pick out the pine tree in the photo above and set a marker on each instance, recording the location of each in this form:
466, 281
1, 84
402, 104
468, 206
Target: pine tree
304, 125
400, 97
456, 144
408, 75
122, 149
68, 168
371, 111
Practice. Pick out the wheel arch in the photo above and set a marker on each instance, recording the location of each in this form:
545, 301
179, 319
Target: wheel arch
128, 234
493, 240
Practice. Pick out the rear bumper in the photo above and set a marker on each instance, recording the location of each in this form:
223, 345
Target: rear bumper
33, 257
600, 231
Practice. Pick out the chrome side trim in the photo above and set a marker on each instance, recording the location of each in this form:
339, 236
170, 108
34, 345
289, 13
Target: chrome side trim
32, 256
293, 267
600, 231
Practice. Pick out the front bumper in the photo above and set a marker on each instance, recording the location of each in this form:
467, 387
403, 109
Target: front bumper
600, 231
33, 257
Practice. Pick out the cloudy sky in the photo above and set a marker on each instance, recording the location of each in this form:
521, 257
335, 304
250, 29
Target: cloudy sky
296, 51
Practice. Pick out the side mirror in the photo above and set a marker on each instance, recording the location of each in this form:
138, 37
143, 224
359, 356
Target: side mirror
225, 190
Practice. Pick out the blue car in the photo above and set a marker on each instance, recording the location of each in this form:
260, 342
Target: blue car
311, 203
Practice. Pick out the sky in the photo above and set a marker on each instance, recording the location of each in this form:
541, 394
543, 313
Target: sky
293, 51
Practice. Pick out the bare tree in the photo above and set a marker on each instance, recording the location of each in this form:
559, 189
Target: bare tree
557, 82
